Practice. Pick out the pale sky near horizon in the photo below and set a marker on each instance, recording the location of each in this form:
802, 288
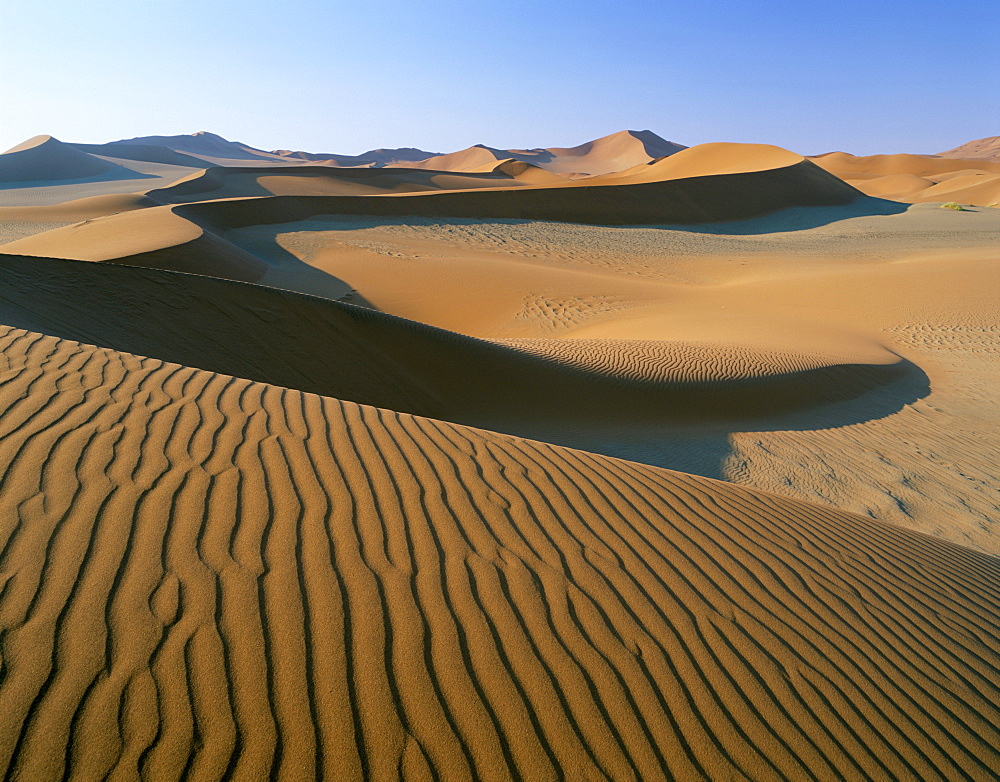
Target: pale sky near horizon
346, 76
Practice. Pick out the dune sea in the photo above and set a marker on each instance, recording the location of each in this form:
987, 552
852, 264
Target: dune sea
623, 460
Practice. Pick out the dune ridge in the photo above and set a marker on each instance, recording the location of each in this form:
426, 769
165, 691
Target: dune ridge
981, 149
336, 349
45, 158
242, 580
919, 178
604, 155
688, 200
247, 181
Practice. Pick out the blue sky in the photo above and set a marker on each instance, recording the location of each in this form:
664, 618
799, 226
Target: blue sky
346, 76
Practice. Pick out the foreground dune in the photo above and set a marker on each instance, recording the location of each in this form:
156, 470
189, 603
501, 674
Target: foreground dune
205, 577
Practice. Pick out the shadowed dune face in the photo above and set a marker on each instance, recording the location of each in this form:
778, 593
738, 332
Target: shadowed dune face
211, 577
46, 159
340, 350
245, 182
688, 200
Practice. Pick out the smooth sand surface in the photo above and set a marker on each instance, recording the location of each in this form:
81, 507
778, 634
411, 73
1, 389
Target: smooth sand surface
244, 580
981, 149
248, 530
921, 178
605, 155
46, 158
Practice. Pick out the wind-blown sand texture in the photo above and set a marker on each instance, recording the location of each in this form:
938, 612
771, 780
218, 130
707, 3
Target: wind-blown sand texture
243, 579
248, 531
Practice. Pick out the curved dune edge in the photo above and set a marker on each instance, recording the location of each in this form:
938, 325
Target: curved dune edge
340, 350
918, 178
45, 158
686, 361
690, 200
154, 237
298, 180
186, 237
204, 577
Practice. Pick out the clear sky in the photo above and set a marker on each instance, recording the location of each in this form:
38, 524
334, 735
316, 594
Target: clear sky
349, 75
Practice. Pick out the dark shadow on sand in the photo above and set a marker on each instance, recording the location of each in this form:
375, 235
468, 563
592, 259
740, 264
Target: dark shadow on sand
360, 355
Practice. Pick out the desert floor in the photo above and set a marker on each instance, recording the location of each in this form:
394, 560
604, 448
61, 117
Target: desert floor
434, 473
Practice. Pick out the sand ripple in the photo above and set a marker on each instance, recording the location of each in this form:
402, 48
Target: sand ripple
204, 577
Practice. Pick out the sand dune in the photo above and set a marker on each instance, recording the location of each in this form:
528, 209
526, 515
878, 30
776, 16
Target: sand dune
604, 155
723, 182
918, 178
201, 145
618, 151
151, 153
710, 160
78, 210
526, 172
243, 182
610, 153
207, 577
685, 199
212, 148
154, 237
44, 158
922, 282
247, 530
340, 350
982, 149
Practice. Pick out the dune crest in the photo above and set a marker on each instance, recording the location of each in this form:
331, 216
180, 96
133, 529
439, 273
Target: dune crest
44, 158
982, 149
919, 178
605, 155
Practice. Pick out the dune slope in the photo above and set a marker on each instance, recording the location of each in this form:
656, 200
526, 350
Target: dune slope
982, 149
693, 199
604, 155
204, 578
920, 178
337, 349
44, 158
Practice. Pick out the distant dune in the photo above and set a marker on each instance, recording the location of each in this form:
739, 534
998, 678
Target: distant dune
918, 178
601, 156
211, 147
245, 181
751, 189
722, 182
982, 149
44, 158
151, 153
